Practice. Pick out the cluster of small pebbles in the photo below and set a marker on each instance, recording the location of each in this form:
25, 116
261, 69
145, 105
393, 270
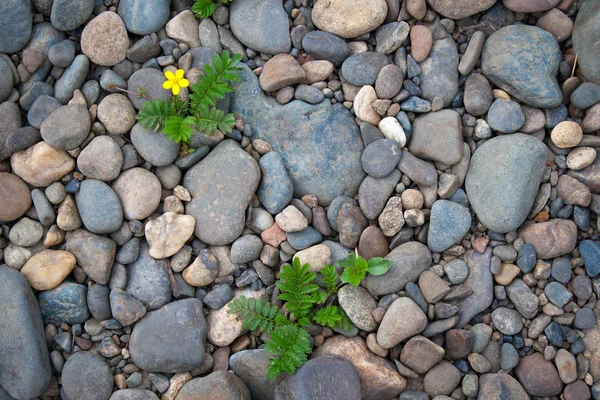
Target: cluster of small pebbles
456, 138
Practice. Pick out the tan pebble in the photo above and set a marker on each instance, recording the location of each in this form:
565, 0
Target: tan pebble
47, 269
54, 236
501, 94
581, 157
374, 346
567, 134
412, 199
175, 385
421, 40
416, 8
507, 274
120, 381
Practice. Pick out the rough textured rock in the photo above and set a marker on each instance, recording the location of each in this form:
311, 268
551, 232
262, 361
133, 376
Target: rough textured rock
481, 282
498, 386
16, 22
220, 210
167, 234
94, 253
104, 39
148, 280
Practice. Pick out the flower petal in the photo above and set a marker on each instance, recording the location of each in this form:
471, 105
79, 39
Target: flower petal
167, 85
179, 74
169, 75
184, 83
175, 89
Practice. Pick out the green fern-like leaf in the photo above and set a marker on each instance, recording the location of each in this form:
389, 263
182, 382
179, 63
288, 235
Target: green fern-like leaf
330, 316
154, 114
179, 129
290, 347
210, 119
330, 279
215, 82
298, 289
204, 8
256, 313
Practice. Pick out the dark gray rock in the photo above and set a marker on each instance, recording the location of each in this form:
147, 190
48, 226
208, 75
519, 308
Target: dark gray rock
67, 15
322, 378
170, 339
481, 282
585, 36
220, 210
261, 25
125, 308
94, 253
218, 296
86, 376
99, 207
321, 138
144, 17
437, 136
304, 239
22, 138
154, 146
374, 193
362, 68
67, 127
98, 302
586, 95
72, 79
275, 189
503, 178
61, 54
65, 303
35, 90
505, 116
525, 301
530, 79
144, 49
10, 119
381, 157
308, 94
15, 25
478, 95
24, 363
148, 280
251, 367
325, 46
224, 384
41, 109
449, 222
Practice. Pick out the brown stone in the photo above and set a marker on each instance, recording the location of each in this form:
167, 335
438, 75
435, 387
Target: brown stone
421, 40
441, 379
552, 238
350, 224
139, 191
421, 354
203, 271
15, 198
458, 343
577, 390
372, 243
403, 319
273, 235
41, 164
557, 23
538, 376
47, 269
573, 191
433, 287
281, 71
379, 378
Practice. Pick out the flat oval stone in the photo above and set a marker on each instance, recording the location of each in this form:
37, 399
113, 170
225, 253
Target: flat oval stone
585, 34
275, 190
99, 207
86, 375
220, 210
503, 179
496, 386
67, 127
530, 6
72, 79
41, 164
325, 46
358, 305
144, 17
381, 157
15, 25
363, 68
460, 9
148, 280
448, 224
349, 19
150, 79
101, 159
139, 191
552, 238
154, 146
528, 80
15, 198
67, 15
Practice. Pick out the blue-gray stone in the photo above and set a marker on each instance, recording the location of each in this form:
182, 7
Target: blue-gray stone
415, 104
189, 160
261, 25
413, 395
72, 79
91, 91
381, 157
110, 81
129, 252
218, 296
508, 164
412, 68
586, 95
65, 303
481, 282
148, 280
509, 357
43, 37
585, 319
62, 53
275, 189
590, 251
405, 123
245, 249
304, 239
144, 49
555, 116
334, 209
440, 70
557, 294
170, 339
67, 127
448, 224
36, 90
582, 217
41, 109
374, 193
99, 207
6, 80
524, 60
15, 25
67, 15
505, 116
585, 40
362, 68
561, 269
325, 46
150, 79
86, 375
309, 94
154, 146
555, 334
320, 144
412, 88
527, 258
98, 302
460, 197
72, 186
22, 138
144, 16
414, 292
24, 362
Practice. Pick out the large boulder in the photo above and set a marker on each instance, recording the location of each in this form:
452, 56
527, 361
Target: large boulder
585, 40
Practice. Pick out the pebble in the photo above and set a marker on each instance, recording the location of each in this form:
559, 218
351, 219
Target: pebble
566, 134
507, 321
381, 157
167, 234
139, 193
389, 81
144, 19
499, 384
349, 20
552, 238
421, 354
148, 280
421, 40
362, 68
101, 159
457, 271
441, 379
116, 114
325, 46
557, 23
505, 116
99, 207
203, 271
65, 303
472, 53
390, 36
87, 374
478, 95
538, 376
151, 80
67, 127
449, 223
403, 319
586, 95
438, 137
184, 28
281, 71
153, 146
581, 157
68, 15
104, 39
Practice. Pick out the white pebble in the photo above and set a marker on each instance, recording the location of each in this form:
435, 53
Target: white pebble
391, 129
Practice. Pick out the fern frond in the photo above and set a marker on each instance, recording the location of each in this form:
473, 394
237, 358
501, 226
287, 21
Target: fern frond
154, 114
209, 120
330, 279
297, 287
179, 129
290, 346
256, 313
215, 82
204, 8
330, 316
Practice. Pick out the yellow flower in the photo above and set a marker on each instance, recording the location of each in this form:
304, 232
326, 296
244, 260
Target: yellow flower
175, 81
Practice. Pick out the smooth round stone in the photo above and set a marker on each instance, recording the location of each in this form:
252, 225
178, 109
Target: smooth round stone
104, 40
530, 6
538, 376
460, 9
62, 53
403, 319
144, 17
421, 40
557, 23
535, 119
67, 127
98, 302
15, 25
527, 258
441, 379
42, 107
309, 94
505, 116
585, 319
101, 159
557, 294
334, 209
552, 238
37, 89
87, 375
154, 146
496, 386
561, 269
507, 321
457, 271
349, 19
67, 15
585, 33
381, 157
449, 222
139, 192
116, 114
268, 29
99, 207
389, 81
246, 249
566, 134
478, 95
590, 251
505, 164
581, 157
526, 79
6, 80
390, 36
26, 232
586, 95
15, 198
72, 79
325, 46
304, 239
363, 68
151, 79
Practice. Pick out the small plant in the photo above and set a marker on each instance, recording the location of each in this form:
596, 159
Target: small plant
178, 118
307, 303
356, 268
206, 8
